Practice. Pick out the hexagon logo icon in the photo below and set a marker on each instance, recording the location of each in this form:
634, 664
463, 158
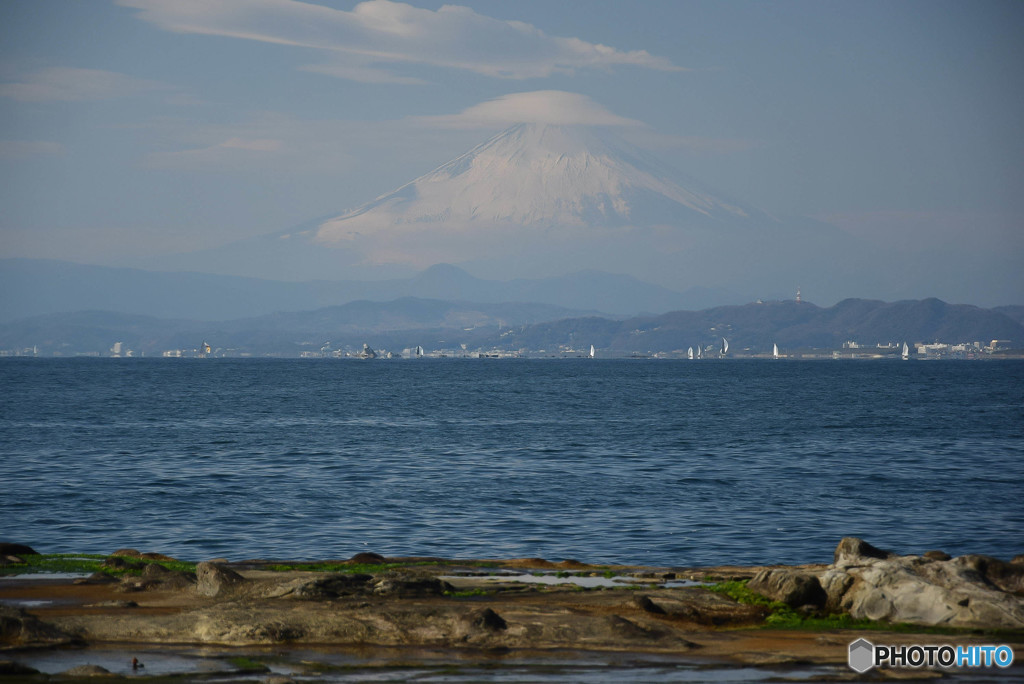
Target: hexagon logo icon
862, 655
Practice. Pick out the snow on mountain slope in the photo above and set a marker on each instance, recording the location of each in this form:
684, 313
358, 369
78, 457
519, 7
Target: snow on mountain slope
534, 176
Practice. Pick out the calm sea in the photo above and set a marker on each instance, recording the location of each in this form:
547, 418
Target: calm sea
611, 461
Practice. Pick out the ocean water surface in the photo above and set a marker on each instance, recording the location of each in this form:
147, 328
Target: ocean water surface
605, 461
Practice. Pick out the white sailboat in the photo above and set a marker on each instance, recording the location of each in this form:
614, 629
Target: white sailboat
906, 352
592, 350
775, 350
725, 346
689, 353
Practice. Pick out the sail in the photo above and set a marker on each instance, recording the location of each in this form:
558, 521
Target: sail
725, 346
775, 350
689, 353
592, 350
906, 351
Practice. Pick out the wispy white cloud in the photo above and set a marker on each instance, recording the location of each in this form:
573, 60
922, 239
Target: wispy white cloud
27, 149
382, 32
542, 106
71, 84
362, 74
233, 151
266, 142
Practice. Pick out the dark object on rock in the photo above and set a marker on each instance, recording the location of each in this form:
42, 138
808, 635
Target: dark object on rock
853, 549
487, 619
9, 549
334, 586
367, 558
645, 604
937, 555
20, 629
793, 588
412, 587
213, 579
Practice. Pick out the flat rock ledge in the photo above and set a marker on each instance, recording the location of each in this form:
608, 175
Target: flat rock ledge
442, 604
866, 582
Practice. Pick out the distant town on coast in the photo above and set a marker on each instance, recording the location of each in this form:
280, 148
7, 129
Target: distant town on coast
412, 328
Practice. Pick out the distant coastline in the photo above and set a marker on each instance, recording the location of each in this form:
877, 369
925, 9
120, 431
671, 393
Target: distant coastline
412, 327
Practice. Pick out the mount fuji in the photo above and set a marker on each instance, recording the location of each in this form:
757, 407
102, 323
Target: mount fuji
535, 175
520, 201
539, 201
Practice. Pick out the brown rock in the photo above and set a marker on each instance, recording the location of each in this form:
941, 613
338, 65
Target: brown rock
1007, 577
570, 564
412, 587
166, 578
854, 551
213, 579
835, 583
20, 629
793, 588
367, 558
969, 591
937, 555
333, 586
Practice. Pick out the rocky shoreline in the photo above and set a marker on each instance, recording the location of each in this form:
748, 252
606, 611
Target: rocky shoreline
496, 610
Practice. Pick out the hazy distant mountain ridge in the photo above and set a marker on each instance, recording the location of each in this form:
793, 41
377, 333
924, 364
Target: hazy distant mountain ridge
31, 287
448, 325
790, 324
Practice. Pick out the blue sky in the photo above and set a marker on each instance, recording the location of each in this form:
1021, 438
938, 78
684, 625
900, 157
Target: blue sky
140, 127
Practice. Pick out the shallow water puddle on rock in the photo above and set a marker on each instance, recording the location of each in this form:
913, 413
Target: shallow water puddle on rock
119, 661
587, 582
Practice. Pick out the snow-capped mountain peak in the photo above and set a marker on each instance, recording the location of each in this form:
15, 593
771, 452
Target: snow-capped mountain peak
534, 176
